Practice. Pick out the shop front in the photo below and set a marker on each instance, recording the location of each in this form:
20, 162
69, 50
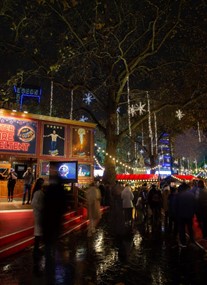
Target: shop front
36, 141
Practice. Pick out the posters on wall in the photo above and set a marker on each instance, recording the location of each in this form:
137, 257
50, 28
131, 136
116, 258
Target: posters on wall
45, 168
81, 141
84, 170
17, 135
53, 140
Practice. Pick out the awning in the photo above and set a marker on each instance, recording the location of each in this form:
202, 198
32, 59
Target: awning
184, 177
137, 177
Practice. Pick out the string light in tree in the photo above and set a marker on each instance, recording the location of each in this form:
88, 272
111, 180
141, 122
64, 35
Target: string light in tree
156, 139
129, 108
88, 98
51, 98
117, 119
199, 132
149, 122
179, 114
71, 107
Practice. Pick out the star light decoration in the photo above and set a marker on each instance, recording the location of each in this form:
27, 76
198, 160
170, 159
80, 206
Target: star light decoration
88, 98
137, 108
118, 110
83, 119
179, 114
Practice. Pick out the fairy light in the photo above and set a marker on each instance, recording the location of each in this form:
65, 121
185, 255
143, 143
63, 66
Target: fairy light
149, 122
71, 106
97, 162
156, 144
199, 132
99, 149
129, 113
51, 98
117, 120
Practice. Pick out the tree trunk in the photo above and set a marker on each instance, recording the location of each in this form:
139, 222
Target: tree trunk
152, 164
110, 160
111, 144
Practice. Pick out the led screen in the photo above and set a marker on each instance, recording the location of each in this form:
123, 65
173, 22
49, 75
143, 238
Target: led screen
67, 171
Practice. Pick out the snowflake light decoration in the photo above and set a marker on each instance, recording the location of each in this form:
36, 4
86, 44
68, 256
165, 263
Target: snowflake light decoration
133, 110
83, 119
137, 108
118, 110
88, 98
179, 114
140, 108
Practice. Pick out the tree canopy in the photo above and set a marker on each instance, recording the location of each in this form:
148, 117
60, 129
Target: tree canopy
120, 52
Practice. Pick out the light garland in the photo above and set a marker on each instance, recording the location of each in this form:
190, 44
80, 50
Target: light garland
129, 107
117, 120
199, 132
71, 106
98, 163
150, 123
99, 149
156, 140
51, 98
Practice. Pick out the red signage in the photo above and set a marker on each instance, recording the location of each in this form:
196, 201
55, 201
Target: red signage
17, 135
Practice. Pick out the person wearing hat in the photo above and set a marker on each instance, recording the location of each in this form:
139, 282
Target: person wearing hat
28, 180
12, 177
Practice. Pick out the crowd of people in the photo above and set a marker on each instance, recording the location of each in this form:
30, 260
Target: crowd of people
176, 206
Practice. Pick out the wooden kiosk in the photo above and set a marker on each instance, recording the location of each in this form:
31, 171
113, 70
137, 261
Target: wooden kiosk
36, 140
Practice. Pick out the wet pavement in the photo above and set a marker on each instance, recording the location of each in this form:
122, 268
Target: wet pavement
114, 255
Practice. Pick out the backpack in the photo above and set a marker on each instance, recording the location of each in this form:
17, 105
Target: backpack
156, 197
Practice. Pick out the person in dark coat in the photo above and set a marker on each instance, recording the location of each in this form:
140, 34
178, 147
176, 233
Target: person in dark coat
202, 209
173, 227
53, 210
185, 210
12, 178
155, 203
28, 180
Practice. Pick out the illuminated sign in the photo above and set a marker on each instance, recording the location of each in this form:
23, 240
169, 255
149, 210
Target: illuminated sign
26, 91
17, 135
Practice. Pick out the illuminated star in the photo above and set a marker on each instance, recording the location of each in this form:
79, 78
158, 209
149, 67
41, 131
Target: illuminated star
137, 108
140, 108
118, 110
179, 114
83, 119
133, 110
88, 98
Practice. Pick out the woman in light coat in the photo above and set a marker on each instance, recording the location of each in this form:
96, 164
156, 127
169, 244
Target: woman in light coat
127, 204
93, 197
38, 206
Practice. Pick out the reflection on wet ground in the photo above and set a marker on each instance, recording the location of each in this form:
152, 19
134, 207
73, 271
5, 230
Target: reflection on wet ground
114, 255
